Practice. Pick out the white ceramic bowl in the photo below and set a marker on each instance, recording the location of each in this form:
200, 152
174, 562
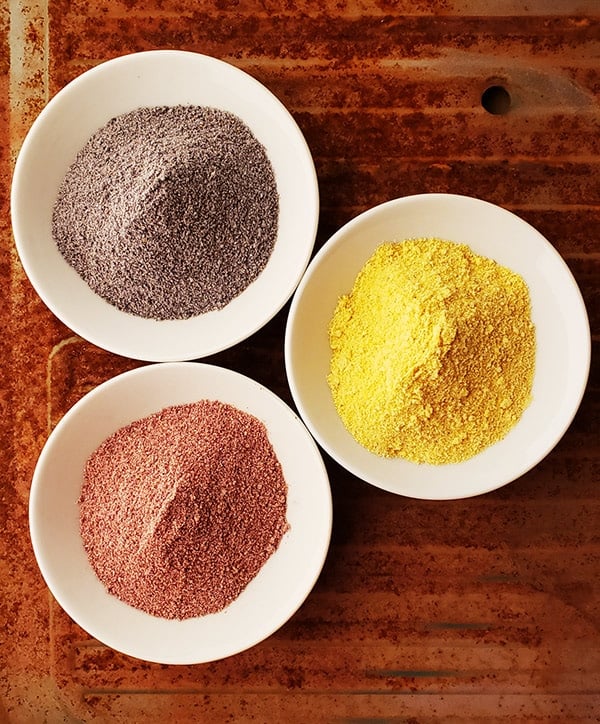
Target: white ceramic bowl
161, 77
269, 600
562, 339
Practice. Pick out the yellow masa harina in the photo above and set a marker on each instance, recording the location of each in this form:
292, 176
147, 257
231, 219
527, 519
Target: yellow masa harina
433, 352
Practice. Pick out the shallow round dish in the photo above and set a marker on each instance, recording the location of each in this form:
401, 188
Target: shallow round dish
160, 77
269, 600
558, 311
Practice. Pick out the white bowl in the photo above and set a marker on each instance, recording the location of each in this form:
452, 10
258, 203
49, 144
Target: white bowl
269, 600
161, 77
562, 340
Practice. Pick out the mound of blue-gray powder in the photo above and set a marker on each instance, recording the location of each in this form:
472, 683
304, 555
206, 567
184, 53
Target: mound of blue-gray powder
169, 212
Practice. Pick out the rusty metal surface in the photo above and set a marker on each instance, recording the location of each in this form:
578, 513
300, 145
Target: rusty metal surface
483, 609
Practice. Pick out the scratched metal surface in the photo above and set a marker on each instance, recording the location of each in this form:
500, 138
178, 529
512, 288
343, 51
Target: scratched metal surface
482, 610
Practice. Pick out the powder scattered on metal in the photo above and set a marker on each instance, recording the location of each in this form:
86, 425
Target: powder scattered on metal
180, 510
433, 352
169, 212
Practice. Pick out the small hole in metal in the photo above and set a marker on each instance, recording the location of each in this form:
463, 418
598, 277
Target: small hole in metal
496, 100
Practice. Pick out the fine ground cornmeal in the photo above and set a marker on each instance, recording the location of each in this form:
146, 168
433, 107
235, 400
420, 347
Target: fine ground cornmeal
433, 352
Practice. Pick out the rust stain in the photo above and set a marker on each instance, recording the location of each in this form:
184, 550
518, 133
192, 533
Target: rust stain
49, 369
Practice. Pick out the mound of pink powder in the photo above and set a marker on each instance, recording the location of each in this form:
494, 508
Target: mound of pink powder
180, 510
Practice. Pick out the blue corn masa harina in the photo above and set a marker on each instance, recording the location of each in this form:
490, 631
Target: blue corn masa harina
168, 212
432, 352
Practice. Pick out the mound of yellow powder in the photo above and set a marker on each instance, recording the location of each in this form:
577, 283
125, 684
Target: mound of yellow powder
433, 352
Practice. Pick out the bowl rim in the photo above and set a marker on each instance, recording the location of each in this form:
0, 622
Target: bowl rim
329, 248
52, 562
191, 344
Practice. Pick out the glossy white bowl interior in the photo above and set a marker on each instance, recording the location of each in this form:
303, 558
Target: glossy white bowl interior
270, 599
562, 339
161, 77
